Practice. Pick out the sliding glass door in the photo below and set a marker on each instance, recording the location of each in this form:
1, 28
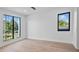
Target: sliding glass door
8, 27
12, 27
17, 27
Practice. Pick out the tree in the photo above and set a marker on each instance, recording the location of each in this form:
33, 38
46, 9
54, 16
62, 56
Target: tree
62, 23
8, 26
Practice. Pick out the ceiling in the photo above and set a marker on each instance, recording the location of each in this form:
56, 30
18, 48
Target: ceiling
26, 10
21, 10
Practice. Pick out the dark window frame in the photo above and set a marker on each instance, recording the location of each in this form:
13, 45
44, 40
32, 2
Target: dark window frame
68, 22
13, 25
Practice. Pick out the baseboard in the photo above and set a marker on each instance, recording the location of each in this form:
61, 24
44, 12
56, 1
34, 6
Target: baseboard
54, 41
11, 42
50, 40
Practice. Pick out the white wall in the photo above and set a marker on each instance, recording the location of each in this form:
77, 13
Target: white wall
75, 28
23, 25
43, 25
77, 40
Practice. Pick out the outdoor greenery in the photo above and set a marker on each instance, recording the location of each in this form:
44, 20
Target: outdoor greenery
9, 29
63, 23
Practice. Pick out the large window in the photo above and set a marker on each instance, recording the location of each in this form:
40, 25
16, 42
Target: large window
12, 27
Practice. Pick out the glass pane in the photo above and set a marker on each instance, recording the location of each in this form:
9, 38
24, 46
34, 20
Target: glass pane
17, 27
8, 27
